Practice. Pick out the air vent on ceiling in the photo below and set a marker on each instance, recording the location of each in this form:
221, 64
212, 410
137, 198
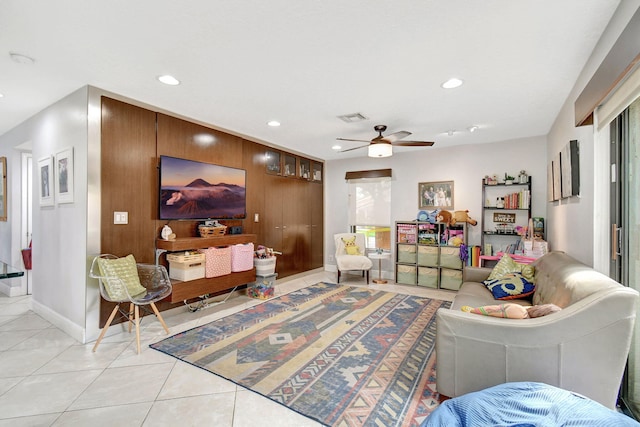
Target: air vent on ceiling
355, 117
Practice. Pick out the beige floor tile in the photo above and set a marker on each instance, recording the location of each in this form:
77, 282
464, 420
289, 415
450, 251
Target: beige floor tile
208, 410
16, 363
187, 380
111, 416
10, 339
81, 357
43, 394
255, 410
32, 421
120, 386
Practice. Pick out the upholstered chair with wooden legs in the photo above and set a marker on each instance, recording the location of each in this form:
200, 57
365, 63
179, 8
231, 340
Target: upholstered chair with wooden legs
123, 281
351, 253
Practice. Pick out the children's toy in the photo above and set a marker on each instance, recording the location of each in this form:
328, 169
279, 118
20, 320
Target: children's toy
444, 217
461, 216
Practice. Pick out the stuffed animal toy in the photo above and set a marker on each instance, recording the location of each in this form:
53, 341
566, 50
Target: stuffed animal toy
350, 246
444, 217
462, 216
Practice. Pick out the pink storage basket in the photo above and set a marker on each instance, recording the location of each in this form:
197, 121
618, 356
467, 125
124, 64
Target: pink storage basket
242, 257
217, 261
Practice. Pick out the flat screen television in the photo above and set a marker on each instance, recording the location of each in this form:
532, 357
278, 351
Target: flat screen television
196, 190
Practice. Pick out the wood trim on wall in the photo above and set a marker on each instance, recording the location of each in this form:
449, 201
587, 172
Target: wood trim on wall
619, 62
377, 173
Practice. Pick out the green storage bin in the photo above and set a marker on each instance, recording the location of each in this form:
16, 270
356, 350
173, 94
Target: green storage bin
450, 279
406, 274
450, 257
428, 277
428, 256
407, 253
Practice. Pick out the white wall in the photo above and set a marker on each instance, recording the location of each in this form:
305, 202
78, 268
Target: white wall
59, 232
579, 225
465, 165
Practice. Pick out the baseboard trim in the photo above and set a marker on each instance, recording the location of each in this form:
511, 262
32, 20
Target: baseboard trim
74, 331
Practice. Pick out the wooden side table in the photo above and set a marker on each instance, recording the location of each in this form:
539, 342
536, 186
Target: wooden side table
379, 257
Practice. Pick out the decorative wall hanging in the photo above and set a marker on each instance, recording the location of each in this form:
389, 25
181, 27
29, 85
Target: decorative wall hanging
64, 176
435, 195
45, 172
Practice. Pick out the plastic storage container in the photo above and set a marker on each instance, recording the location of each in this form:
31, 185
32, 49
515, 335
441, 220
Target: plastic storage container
186, 267
263, 287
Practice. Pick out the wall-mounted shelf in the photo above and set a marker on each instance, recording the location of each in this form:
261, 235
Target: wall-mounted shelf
183, 291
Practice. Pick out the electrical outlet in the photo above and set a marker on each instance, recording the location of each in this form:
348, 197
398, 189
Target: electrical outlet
256, 217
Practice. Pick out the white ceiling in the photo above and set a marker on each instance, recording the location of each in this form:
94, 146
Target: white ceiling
305, 62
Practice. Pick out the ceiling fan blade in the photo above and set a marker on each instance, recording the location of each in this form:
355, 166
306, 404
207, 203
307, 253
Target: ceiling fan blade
355, 148
356, 140
414, 143
395, 136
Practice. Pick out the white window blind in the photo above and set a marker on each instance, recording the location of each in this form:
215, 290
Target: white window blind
370, 201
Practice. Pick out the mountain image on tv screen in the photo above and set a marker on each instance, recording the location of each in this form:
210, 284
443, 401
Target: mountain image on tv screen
197, 190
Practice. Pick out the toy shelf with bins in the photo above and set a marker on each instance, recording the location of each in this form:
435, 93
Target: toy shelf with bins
499, 223
427, 256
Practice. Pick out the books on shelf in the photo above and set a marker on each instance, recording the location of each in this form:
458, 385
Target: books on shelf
519, 200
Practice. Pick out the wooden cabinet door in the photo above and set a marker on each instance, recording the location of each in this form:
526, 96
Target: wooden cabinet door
317, 226
272, 218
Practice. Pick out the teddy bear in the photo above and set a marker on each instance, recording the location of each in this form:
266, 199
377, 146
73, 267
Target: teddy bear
462, 216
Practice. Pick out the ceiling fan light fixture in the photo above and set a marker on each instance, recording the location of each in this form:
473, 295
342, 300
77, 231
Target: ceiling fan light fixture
452, 83
380, 150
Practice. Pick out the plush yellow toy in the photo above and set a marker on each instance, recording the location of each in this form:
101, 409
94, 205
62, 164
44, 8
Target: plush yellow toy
350, 246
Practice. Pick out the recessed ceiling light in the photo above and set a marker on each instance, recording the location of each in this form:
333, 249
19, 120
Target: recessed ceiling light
169, 80
336, 147
1, 95
273, 123
353, 117
452, 83
473, 128
21, 59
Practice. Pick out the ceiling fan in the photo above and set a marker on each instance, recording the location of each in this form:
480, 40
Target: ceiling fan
380, 146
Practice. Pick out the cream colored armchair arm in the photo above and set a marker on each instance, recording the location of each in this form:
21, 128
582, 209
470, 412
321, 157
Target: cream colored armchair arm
582, 348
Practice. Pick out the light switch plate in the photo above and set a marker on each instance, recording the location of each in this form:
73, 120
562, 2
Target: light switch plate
256, 217
121, 217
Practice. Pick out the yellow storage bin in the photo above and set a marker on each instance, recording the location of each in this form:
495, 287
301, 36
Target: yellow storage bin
428, 277
450, 257
407, 253
428, 256
450, 279
406, 274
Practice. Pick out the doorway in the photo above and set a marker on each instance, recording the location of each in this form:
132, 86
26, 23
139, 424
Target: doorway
624, 264
26, 210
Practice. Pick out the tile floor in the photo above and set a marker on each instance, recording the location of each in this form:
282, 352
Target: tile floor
49, 379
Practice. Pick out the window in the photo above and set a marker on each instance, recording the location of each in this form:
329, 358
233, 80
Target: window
370, 210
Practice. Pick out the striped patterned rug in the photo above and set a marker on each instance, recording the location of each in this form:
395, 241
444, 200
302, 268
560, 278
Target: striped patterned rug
341, 355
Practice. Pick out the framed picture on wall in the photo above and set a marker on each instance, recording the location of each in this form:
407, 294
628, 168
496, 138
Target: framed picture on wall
435, 195
64, 176
45, 172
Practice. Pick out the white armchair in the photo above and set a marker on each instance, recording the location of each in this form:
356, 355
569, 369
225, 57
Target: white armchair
357, 260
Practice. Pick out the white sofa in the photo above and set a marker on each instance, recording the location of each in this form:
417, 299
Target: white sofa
582, 348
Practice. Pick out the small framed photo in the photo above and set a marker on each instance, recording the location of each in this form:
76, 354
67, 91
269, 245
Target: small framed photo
45, 171
435, 195
64, 176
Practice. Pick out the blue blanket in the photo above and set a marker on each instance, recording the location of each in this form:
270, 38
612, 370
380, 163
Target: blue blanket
525, 404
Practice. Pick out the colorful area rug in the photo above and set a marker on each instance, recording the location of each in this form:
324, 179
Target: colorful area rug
341, 355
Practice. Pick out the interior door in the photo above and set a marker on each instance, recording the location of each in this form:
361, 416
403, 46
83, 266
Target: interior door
625, 230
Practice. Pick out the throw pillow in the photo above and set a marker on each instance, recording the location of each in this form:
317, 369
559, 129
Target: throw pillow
350, 246
120, 271
508, 310
507, 265
511, 286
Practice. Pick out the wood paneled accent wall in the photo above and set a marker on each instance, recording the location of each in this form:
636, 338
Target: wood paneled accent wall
134, 138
